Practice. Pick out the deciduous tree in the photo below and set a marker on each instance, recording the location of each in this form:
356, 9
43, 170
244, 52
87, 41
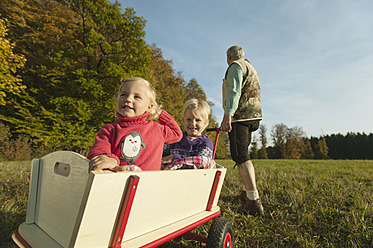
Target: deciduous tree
170, 86
10, 82
76, 52
278, 135
294, 144
321, 149
307, 151
262, 153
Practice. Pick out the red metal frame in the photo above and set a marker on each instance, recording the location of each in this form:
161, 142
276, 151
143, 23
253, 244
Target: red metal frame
213, 190
179, 232
124, 212
216, 142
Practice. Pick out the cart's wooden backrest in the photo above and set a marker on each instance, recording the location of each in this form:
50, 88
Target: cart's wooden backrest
57, 185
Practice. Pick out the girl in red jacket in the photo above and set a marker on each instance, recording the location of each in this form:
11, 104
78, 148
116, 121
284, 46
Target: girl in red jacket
135, 141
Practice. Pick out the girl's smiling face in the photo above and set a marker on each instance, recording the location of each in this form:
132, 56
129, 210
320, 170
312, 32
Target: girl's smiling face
133, 99
194, 123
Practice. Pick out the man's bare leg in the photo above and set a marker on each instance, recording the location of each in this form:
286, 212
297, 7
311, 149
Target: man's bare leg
251, 204
247, 172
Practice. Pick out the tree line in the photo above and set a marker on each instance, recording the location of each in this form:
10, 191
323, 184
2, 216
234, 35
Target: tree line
61, 62
292, 143
350, 146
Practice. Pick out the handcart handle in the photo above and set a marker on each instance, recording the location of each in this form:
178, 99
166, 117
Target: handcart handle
212, 129
216, 138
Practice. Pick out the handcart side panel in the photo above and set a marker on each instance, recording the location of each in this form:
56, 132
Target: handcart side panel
165, 198
157, 203
97, 218
62, 179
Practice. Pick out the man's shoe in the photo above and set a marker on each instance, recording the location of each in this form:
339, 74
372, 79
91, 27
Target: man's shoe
251, 207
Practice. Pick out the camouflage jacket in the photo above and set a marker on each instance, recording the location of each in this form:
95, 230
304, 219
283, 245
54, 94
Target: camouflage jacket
249, 106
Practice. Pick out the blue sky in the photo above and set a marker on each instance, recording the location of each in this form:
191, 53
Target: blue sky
314, 58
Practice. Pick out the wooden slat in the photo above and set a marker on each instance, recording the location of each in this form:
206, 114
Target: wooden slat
32, 196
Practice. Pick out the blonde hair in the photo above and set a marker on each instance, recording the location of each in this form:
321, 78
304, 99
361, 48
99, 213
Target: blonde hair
198, 105
156, 110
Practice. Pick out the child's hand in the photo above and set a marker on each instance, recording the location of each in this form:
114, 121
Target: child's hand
157, 110
132, 168
167, 159
101, 162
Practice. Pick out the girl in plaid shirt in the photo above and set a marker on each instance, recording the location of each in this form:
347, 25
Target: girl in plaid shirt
194, 150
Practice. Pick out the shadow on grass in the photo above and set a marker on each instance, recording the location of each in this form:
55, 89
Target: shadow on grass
230, 199
9, 223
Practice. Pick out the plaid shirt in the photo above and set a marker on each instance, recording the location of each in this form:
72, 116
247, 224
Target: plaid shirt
191, 154
186, 147
194, 162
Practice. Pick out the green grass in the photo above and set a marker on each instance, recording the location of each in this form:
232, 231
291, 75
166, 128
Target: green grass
14, 183
308, 203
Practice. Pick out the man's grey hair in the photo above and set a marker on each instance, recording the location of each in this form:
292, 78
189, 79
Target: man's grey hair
235, 52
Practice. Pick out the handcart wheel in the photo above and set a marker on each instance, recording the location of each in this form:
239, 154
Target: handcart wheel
220, 234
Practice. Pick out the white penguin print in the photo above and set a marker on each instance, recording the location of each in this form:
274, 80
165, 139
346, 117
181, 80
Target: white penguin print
131, 147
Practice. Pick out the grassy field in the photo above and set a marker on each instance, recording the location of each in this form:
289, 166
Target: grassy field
308, 203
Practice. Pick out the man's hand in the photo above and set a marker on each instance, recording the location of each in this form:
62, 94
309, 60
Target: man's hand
101, 162
226, 123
